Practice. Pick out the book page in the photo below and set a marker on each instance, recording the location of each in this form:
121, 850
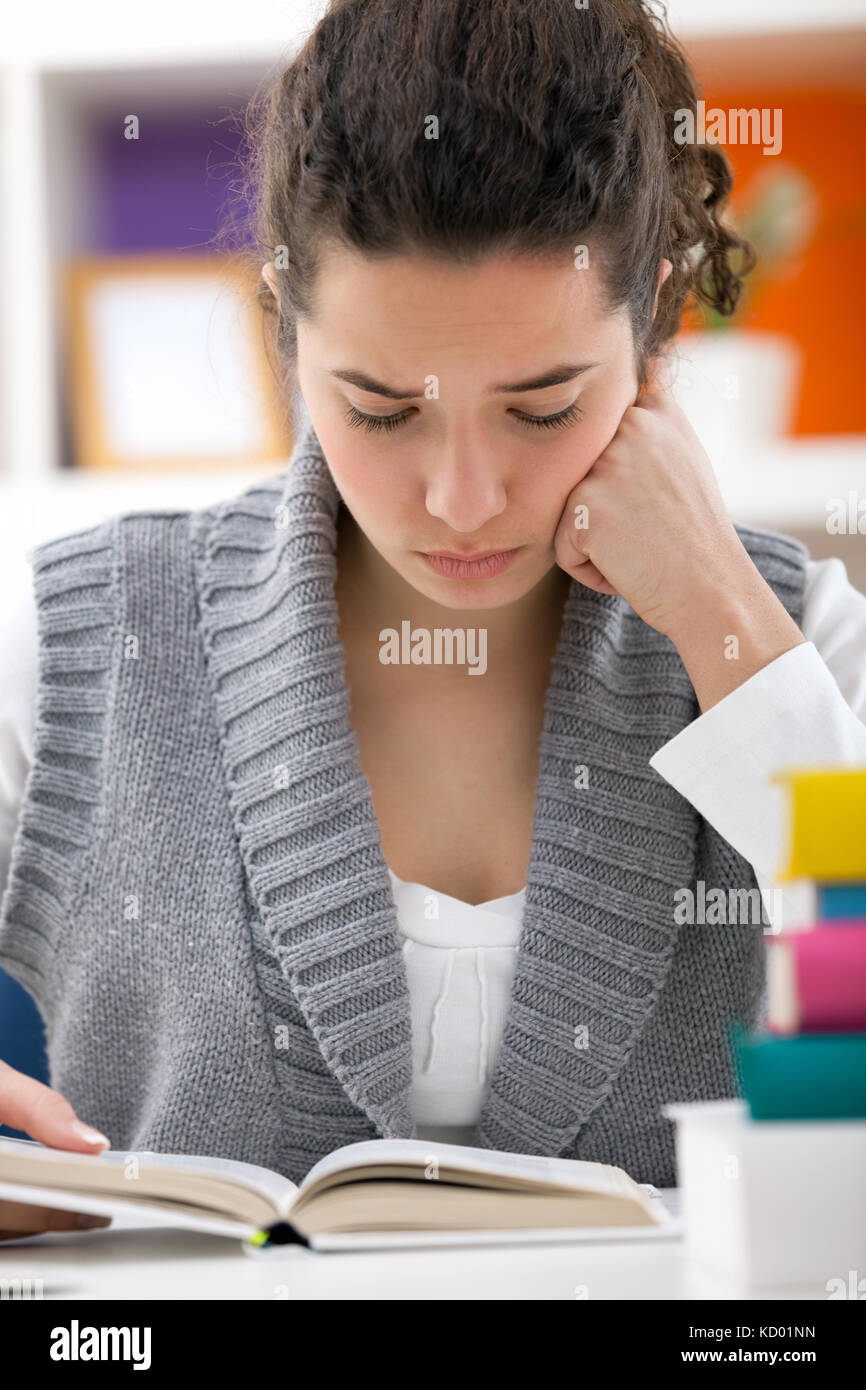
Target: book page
576, 1174
407, 1206
278, 1190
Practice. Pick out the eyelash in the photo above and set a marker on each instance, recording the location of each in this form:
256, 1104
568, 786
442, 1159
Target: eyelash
358, 420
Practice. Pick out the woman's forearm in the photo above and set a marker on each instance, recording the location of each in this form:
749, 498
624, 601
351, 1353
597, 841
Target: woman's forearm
731, 631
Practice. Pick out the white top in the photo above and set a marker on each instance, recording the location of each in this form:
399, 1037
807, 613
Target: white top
460, 963
807, 706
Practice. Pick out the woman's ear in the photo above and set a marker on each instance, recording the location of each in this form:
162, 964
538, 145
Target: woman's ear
269, 274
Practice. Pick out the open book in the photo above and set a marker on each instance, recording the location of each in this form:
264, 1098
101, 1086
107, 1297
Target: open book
377, 1193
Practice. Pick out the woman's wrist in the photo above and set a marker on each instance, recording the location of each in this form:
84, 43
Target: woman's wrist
732, 627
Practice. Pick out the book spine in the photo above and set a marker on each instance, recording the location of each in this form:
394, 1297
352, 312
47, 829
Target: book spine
810, 1062
846, 901
808, 1077
826, 816
828, 980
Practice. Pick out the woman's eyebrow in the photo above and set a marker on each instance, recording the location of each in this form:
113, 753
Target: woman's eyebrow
555, 377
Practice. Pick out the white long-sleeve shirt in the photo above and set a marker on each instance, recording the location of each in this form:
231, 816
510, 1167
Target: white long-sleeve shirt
807, 706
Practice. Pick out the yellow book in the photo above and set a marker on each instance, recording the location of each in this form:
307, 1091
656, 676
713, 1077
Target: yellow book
826, 823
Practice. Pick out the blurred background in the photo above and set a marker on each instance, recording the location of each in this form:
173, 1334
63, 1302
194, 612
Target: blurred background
133, 362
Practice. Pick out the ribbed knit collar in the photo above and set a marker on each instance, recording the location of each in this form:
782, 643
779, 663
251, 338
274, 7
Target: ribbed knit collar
598, 930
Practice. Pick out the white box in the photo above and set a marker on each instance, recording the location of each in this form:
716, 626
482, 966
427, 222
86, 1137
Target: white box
773, 1202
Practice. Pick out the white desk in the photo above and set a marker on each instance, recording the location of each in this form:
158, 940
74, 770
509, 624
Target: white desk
126, 1261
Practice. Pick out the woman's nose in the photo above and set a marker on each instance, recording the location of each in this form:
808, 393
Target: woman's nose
466, 493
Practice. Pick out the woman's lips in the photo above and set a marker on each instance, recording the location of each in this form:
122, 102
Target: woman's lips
482, 566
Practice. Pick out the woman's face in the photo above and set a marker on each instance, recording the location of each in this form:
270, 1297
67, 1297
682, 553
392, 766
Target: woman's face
458, 464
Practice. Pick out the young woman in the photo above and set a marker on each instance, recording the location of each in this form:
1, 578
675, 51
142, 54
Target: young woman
367, 802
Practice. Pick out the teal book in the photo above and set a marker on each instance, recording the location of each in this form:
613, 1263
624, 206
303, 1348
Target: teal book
812, 1076
840, 900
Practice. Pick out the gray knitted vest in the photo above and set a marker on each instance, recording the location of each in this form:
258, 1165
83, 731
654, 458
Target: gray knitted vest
198, 899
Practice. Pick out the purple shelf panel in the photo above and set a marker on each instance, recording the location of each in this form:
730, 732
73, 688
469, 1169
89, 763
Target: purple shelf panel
171, 189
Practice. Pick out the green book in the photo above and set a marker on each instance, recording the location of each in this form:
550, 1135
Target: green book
812, 1076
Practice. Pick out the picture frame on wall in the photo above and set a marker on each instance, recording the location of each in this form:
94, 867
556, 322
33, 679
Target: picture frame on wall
167, 365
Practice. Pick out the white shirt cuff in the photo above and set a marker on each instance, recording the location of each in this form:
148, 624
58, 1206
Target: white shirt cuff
790, 713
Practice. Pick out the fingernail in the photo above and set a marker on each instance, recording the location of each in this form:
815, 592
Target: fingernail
85, 1222
92, 1136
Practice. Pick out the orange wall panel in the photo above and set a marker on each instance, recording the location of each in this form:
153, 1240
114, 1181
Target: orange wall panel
820, 299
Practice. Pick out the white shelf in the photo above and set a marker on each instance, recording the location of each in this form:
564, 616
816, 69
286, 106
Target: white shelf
98, 33
789, 483
71, 500
689, 18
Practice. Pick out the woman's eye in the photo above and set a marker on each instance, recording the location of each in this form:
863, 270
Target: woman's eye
358, 420
375, 422
552, 422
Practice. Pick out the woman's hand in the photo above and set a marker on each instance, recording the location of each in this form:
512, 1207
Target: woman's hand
27, 1105
648, 520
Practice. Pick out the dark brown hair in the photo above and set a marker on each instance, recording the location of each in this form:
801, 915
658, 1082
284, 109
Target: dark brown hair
555, 129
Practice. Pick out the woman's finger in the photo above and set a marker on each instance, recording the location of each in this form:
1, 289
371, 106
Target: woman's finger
25, 1219
44, 1114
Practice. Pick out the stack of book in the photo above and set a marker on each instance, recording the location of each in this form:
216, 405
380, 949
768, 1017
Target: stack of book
810, 1062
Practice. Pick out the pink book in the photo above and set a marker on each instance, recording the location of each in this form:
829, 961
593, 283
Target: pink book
816, 980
